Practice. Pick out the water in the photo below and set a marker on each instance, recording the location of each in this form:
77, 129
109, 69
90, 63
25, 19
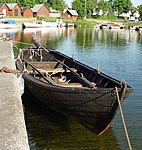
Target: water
119, 54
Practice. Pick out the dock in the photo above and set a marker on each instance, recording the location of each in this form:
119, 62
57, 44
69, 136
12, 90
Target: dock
13, 133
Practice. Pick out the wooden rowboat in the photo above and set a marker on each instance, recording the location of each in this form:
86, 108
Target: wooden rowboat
71, 87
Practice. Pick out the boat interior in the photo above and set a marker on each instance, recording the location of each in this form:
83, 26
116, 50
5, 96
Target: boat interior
59, 69
67, 74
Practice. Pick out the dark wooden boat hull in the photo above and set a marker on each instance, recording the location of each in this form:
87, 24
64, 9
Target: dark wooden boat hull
92, 107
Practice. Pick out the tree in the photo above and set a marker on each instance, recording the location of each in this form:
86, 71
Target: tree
56, 4
140, 10
25, 3
122, 6
79, 6
8, 1
105, 6
90, 5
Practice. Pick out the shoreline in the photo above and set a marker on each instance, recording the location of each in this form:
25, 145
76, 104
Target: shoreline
91, 23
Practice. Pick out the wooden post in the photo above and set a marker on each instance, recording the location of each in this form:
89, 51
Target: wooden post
98, 68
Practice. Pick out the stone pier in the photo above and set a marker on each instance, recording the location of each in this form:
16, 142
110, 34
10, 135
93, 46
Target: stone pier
13, 134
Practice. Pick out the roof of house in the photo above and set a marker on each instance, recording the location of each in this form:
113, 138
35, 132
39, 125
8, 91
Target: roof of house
11, 5
73, 12
36, 7
53, 10
1, 4
24, 9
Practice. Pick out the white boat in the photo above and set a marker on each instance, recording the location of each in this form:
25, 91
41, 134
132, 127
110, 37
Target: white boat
43, 24
8, 24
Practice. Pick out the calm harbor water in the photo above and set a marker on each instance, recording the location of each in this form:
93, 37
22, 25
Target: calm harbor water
119, 54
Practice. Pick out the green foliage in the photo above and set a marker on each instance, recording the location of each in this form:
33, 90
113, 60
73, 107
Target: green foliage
8, 1
122, 6
29, 4
140, 10
56, 4
79, 6
105, 6
90, 5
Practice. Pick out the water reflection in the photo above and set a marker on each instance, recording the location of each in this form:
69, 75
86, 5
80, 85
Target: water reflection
9, 34
116, 38
88, 38
48, 129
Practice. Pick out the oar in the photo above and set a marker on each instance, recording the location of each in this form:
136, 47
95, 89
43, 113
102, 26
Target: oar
48, 79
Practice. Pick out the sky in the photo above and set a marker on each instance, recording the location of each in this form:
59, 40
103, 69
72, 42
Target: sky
69, 2
135, 2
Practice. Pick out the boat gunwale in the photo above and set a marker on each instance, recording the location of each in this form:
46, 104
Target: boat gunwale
54, 52
82, 65
30, 78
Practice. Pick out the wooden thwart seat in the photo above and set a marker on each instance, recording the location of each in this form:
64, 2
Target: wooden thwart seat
71, 85
47, 77
56, 70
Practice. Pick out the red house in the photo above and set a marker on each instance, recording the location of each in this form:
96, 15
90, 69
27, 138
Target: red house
14, 9
40, 10
27, 12
3, 8
71, 14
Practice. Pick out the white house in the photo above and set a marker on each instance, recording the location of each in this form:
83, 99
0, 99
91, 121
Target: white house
131, 16
97, 11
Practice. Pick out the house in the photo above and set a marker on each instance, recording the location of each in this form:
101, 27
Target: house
14, 9
97, 11
71, 14
54, 13
27, 12
131, 16
40, 10
3, 9
134, 16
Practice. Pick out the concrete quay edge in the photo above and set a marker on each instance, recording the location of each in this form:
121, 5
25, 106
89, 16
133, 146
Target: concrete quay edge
13, 133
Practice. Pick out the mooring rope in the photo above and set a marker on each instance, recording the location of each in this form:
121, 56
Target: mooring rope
123, 120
